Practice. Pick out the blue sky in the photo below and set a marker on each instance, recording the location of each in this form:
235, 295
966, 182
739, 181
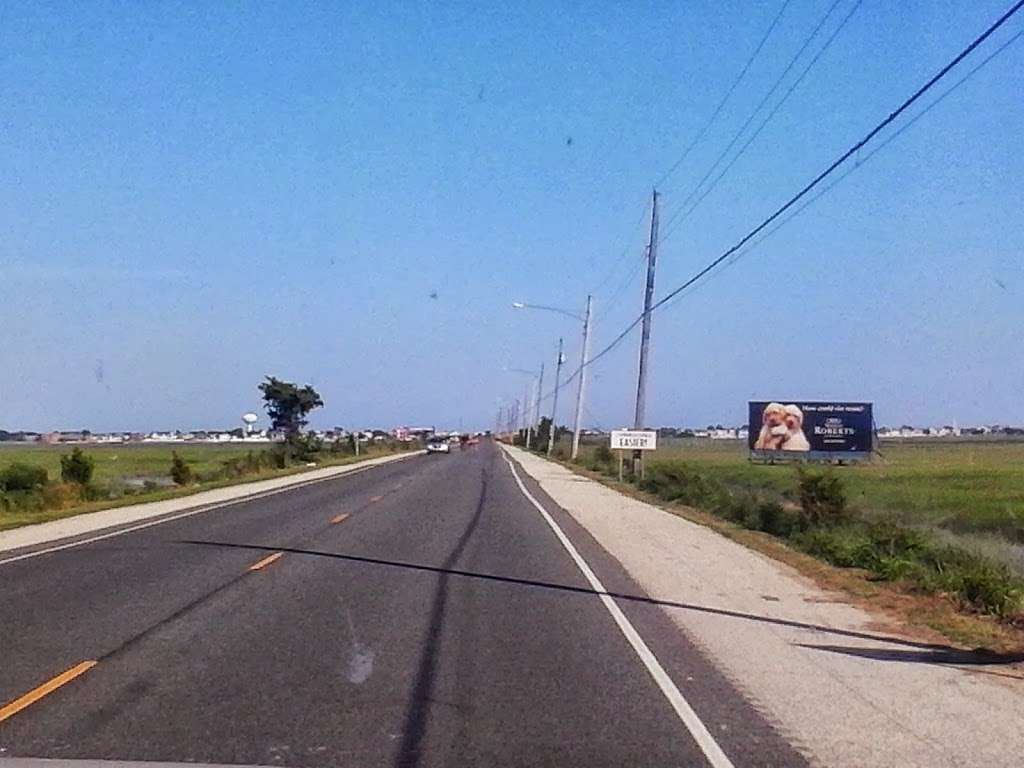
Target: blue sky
195, 195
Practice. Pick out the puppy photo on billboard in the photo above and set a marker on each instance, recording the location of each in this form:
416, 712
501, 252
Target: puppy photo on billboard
782, 429
773, 428
795, 439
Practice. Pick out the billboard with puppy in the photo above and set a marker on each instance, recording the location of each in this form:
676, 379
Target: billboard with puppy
799, 429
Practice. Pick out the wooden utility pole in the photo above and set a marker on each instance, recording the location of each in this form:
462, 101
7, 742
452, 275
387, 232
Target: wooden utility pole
645, 332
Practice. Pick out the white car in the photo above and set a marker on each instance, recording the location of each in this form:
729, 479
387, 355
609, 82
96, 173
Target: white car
438, 446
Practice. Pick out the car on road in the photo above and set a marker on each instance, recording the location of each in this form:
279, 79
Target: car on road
438, 446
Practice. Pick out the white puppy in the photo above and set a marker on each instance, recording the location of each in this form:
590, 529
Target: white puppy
795, 440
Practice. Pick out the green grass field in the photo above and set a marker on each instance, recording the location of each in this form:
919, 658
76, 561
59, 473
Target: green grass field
973, 490
960, 486
135, 473
119, 463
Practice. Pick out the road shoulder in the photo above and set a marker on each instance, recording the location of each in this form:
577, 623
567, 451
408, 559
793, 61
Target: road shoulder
810, 663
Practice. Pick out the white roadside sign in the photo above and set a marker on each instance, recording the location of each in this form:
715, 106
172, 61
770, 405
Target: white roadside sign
634, 440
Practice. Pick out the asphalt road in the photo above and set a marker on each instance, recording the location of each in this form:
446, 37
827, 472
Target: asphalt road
421, 613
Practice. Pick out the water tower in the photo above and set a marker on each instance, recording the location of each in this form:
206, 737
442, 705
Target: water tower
249, 419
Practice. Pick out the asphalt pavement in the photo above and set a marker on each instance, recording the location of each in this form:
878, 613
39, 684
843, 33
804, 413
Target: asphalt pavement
420, 613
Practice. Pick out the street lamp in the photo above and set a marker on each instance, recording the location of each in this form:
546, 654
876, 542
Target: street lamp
584, 353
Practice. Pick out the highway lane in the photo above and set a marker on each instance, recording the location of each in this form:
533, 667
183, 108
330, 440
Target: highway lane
420, 613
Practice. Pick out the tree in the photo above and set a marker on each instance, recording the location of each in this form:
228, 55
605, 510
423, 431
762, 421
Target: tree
288, 404
76, 468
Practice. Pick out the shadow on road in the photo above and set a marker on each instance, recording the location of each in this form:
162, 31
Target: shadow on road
982, 656
409, 751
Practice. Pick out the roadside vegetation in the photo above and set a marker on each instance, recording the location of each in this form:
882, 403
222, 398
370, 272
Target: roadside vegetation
944, 519
43, 482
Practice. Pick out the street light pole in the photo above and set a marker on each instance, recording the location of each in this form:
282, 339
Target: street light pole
554, 400
584, 354
527, 409
540, 394
583, 380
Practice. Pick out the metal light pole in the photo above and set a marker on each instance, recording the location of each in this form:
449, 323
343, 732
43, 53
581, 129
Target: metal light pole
531, 400
527, 409
540, 394
583, 380
554, 400
584, 355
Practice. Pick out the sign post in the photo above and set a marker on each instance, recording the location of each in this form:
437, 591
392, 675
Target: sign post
633, 440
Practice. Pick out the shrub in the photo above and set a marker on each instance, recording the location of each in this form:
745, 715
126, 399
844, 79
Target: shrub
253, 462
304, 447
22, 477
181, 473
277, 457
61, 495
774, 519
822, 499
232, 468
76, 467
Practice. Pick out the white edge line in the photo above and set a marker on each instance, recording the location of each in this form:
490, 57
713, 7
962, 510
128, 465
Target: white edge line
195, 511
716, 757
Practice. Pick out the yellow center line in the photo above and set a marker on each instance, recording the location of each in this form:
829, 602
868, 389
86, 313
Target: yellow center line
266, 561
376, 498
340, 518
9, 710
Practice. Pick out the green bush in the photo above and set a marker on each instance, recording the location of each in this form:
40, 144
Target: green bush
303, 448
277, 457
61, 495
22, 477
822, 498
774, 519
682, 483
181, 473
76, 467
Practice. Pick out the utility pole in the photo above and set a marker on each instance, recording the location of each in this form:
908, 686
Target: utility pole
583, 380
540, 394
645, 333
527, 410
554, 400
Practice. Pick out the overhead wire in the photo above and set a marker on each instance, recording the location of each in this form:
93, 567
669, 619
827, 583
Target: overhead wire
907, 103
679, 219
621, 258
861, 162
725, 98
856, 147
750, 119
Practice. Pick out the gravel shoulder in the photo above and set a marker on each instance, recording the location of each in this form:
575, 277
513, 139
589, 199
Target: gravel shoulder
811, 663
76, 526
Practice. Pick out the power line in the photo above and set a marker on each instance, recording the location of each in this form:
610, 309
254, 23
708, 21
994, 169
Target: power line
764, 100
861, 162
761, 127
728, 94
619, 260
833, 166
846, 155
610, 302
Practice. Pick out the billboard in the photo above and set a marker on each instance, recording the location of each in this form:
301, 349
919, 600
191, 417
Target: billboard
795, 427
